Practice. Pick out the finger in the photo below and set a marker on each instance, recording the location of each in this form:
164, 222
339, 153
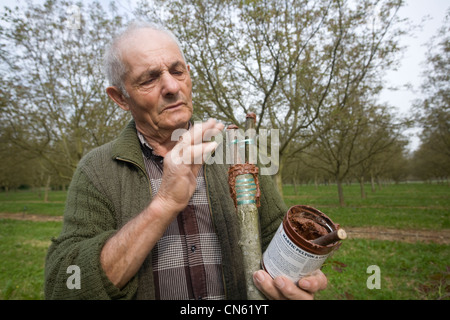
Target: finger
290, 291
315, 282
192, 154
196, 134
264, 282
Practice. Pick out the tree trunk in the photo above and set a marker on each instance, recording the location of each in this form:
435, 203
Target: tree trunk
340, 192
361, 186
372, 182
47, 188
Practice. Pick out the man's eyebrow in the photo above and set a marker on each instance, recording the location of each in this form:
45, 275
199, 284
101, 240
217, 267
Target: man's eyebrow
177, 64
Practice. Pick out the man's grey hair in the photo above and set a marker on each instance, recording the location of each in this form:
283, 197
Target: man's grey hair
114, 67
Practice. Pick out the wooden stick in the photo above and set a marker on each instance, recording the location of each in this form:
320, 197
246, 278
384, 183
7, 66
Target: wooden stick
331, 237
244, 189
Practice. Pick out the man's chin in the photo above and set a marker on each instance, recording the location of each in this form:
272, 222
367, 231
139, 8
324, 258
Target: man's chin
178, 120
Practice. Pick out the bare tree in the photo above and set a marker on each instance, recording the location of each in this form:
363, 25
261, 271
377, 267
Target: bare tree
433, 112
55, 106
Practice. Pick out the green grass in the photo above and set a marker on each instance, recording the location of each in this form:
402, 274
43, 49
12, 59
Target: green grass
23, 246
408, 271
27, 202
391, 195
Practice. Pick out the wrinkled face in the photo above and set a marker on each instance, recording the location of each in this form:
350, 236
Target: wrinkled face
158, 82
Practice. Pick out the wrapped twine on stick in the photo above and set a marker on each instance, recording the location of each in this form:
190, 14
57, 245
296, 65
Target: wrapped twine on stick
244, 189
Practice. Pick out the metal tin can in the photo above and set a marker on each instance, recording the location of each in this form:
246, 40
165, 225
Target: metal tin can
291, 252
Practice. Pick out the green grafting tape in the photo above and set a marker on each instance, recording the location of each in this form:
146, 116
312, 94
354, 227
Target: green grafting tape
245, 195
241, 190
245, 188
244, 180
246, 202
244, 185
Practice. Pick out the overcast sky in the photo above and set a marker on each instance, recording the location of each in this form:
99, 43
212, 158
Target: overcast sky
414, 57
412, 62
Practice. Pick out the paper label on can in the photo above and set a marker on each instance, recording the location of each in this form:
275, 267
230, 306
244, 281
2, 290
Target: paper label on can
284, 257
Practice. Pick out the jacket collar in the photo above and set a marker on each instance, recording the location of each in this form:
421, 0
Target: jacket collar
127, 146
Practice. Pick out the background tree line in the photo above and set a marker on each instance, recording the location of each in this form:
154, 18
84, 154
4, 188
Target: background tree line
312, 69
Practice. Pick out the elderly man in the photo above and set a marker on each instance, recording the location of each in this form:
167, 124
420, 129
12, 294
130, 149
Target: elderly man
137, 225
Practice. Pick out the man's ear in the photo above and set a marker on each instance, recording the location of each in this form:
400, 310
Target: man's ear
117, 96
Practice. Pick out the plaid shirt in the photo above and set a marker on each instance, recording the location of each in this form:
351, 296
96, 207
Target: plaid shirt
187, 260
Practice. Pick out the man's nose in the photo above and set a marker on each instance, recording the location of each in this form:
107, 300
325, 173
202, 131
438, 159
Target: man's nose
170, 85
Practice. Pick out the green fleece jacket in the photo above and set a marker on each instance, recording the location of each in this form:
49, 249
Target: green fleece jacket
109, 188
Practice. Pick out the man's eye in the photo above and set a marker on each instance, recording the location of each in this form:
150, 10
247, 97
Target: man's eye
149, 81
177, 72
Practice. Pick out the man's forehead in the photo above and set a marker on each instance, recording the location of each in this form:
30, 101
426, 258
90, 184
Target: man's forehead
143, 40
149, 46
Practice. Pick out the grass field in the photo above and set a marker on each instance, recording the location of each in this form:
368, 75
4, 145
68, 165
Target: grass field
27, 202
407, 271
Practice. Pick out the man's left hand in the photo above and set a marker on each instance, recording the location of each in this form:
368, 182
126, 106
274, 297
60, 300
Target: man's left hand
282, 288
